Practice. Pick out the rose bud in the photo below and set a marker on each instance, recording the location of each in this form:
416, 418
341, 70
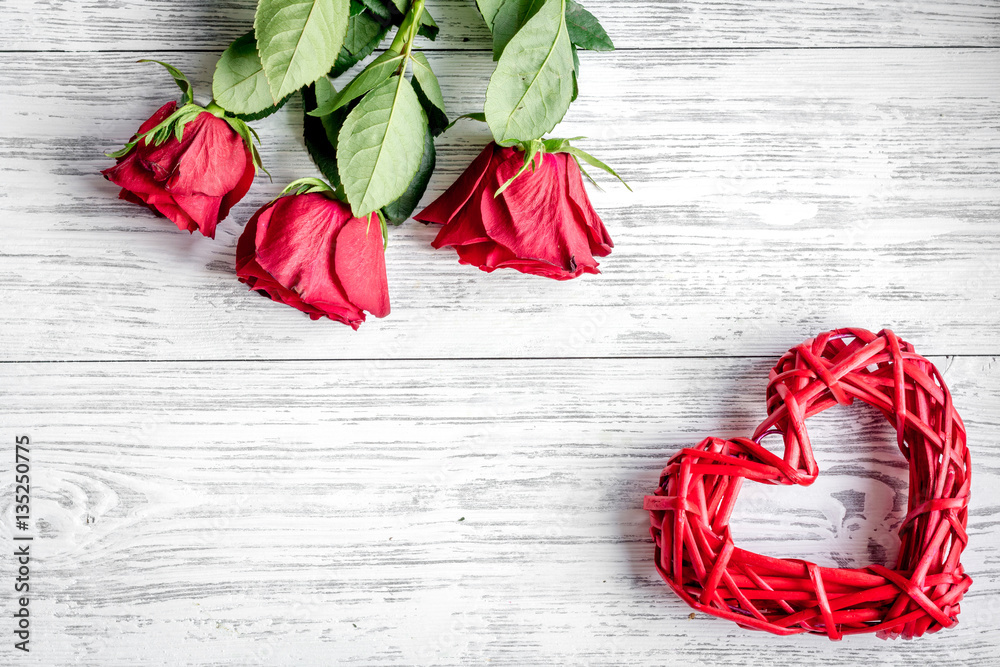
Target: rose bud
193, 182
308, 251
540, 223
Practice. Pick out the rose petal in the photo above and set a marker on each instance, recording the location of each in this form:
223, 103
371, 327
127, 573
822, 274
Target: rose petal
535, 219
246, 247
465, 227
128, 196
600, 240
359, 259
130, 176
212, 158
487, 256
445, 207
296, 245
203, 210
242, 187
249, 271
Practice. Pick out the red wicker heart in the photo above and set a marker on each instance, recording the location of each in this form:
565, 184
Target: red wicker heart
698, 488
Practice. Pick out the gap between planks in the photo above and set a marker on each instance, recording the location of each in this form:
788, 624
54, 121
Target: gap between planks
623, 49
252, 360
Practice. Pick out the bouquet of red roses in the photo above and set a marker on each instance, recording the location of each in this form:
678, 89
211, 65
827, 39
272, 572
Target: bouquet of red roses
320, 245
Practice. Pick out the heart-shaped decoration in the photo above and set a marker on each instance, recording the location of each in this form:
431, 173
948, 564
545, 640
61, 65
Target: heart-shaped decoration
698, 489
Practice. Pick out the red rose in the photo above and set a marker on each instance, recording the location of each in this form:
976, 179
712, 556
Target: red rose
542, 223
309, 252
195, 181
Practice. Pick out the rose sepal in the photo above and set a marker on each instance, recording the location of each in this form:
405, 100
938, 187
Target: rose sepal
310, 184
538, 147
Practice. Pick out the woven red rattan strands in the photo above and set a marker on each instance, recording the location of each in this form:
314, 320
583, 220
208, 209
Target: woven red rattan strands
698, 489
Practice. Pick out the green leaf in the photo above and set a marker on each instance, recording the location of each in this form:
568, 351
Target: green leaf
428, 26
429, 92
323, 92
437, 121
380, 145
361, 30
401, 5
398, 211
298, 40
481, 117
510, 17
532, 86
478, 116
239, 84
179, 78
585, 30
377, 8
320, 134
424, 75
370, 77
489, 9
348, 59
263, 113
576, 75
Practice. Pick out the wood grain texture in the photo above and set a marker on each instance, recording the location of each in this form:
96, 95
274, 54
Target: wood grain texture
633, 24
310, 513
777, 194
229, 509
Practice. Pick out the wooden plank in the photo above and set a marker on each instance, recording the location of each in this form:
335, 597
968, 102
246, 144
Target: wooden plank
273, 513
154, 25
858, 188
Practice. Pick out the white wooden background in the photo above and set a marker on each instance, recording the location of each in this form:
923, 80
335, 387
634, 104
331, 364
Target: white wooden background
219, 480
